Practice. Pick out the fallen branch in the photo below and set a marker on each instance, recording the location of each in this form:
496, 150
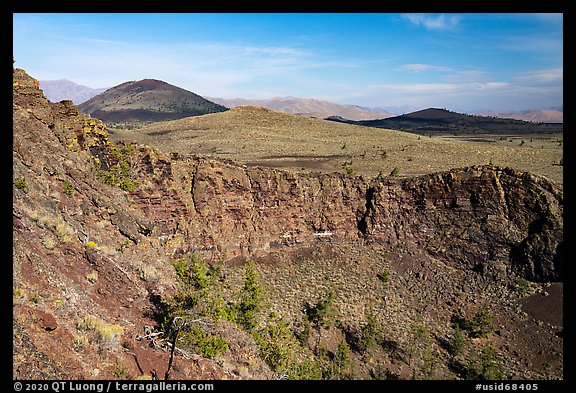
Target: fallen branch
176, 332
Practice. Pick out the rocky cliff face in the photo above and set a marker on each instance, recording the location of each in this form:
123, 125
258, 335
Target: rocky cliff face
89, 258
486, 218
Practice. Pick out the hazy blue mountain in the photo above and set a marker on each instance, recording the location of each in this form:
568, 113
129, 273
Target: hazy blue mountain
63, 89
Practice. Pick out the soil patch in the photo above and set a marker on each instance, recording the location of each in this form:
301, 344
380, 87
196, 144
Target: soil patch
547, 307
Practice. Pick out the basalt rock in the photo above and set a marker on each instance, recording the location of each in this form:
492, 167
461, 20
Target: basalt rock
494, 220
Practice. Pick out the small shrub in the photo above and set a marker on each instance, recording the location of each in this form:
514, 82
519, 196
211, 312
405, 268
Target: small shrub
120, 371
347, 165
486, 367
322, 313
251, 298
480, 325
91, 244
420, 338
35, 298
381, 373
68, 189
370, 332
522, 287
383, 277
48, 241
340, 361
431, 360
78, 343
119, 172
21, 184
303, 334
92, 276
105, 333
277, 343
457, 342
204, 343
305, 370
199, 291
64, 232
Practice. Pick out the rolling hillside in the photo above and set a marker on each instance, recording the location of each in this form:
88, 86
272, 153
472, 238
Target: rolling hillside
257, 136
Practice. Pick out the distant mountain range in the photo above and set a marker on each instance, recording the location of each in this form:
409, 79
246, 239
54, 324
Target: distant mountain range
307, 107
536, 116
63, 89
441, 121
146, 101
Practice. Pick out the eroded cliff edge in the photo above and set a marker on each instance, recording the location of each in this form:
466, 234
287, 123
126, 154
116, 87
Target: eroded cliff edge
485, 218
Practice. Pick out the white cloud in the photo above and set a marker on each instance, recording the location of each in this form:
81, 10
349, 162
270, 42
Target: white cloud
439, 88
550, 75
202, 67
434, 22
464, 96
424, 68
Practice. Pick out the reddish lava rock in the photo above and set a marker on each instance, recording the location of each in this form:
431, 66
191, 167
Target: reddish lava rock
49, 322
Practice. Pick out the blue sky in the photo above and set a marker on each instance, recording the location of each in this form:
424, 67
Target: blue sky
462, 62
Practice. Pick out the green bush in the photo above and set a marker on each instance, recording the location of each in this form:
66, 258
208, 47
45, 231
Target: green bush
68, 188
199, 293
119, 172
21, 184
486, 367
420, 339
347, 165
340, 361
251, 298
304, 331
480, 325
277, 343
322, 313
457, 342
370, 332
204, 343
383, 277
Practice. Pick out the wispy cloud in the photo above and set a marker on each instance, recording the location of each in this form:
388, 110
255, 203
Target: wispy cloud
550, 44
436, 88
469, 76
205, 67
434, 22
550, 75
424, 67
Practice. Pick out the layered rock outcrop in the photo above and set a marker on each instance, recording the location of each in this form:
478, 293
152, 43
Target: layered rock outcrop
486, 218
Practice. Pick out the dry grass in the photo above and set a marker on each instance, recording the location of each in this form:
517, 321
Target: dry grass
259, 136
